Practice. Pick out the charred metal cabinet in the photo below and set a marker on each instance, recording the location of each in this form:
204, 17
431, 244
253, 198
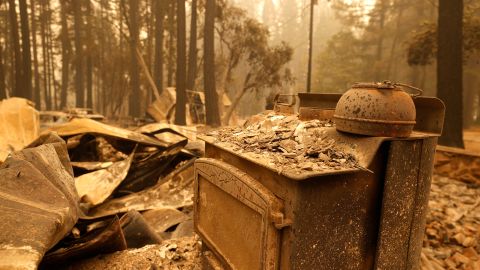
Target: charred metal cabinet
253, 216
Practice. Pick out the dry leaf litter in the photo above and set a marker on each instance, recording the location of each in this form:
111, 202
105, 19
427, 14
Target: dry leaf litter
452, 233
287, 143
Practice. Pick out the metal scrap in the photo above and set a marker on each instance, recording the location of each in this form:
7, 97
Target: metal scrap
54, 213
19, 125
174, 190
38, 204
95, 187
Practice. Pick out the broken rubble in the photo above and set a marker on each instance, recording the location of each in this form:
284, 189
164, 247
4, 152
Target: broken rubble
173, 254
286, 142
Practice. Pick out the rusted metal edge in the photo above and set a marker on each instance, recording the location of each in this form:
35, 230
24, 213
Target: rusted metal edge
375, 120
369, 144
258, 198
298, 177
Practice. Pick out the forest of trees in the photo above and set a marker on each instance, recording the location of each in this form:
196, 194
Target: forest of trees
118, 56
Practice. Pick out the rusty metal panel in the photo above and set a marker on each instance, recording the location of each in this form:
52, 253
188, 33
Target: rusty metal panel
244, 232
284, 107
424, 179
398, 202
38, 205
319, 100
336, 220
306, 114
430, 114
405, 198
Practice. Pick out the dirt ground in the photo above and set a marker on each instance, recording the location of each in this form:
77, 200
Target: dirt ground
174, 254
471, 138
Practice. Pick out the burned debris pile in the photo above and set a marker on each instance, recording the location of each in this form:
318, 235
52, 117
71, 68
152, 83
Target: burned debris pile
85, 188
171, 254
285, 141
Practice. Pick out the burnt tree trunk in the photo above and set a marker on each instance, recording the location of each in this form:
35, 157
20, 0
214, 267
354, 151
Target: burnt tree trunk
3, 89
79, 85
180, 110
17, 85
26, 55
379, 50
36, 73
46, 76
65, 54
133, 104
450, 70
89, 60
159, 28
171, 46
51, 64
192, 49
211, 97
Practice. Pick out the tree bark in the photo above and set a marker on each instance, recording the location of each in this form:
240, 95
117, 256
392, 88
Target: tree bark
192, 49
51, 64
44, 44
89, 60
79, 85
158, 62
18, 83
450, 70
211, 97
26, 55
3, 89
65, 55
235, 102
171, 47
391, 61
133, 104
379, 50
36, 74
180, 110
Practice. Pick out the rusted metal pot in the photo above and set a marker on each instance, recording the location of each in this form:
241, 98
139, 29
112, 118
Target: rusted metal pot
376, 109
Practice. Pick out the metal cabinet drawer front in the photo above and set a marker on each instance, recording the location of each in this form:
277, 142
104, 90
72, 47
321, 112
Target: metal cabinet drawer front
236, 216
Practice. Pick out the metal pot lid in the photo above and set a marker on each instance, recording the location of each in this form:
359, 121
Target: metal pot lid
375, 85
387, 85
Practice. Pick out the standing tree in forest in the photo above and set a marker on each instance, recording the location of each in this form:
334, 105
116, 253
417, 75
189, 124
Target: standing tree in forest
17, 84
211, 97
192, 49
171, 39
36, 73
89, 54
79, 85
245, 44
3, 88
26, 92
450, 69
44, 44
159, 28
66, 51
134, 101
180, 110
